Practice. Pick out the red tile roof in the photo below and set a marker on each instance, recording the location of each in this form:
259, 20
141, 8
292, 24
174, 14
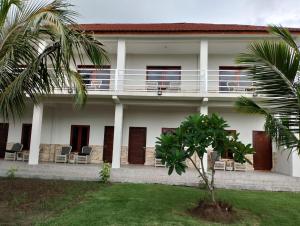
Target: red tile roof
177, 28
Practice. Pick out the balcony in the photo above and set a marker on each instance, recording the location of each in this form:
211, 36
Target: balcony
166, 82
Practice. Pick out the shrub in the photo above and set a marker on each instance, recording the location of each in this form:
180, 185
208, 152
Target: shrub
105, 173
11, 172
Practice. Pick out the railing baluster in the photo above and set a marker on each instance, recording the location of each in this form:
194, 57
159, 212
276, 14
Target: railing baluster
177, 82
116, 79
206, 80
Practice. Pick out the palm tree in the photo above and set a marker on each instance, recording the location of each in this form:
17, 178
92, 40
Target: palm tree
39, 43
274, 67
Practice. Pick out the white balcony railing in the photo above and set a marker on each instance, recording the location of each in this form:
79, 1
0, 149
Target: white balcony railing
167, 81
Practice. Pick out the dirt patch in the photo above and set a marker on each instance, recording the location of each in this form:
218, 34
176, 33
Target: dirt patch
220, 212
24, 200
23, 193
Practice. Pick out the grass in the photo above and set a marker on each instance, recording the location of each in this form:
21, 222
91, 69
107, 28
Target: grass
89, 203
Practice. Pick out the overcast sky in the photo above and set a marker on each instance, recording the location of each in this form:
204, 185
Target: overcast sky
258, 12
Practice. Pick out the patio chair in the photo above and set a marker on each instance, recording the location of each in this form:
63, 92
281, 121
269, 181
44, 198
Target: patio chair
151, 85
157, 161
174, 86
239, 166
64, 154
13, 153
85, 155
219, 163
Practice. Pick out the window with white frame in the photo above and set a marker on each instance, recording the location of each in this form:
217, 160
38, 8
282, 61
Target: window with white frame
94, 77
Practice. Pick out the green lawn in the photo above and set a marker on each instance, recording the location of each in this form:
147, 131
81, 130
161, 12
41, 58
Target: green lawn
89, 203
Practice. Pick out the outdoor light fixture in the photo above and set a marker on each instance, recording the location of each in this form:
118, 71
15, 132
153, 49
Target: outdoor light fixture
70, 90
159, 92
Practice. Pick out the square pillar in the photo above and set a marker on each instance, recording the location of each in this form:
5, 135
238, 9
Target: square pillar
203, 64
35, 141
204, 111
118, 132
121, 62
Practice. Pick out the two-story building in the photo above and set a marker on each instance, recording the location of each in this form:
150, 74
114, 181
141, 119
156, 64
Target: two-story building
157, 75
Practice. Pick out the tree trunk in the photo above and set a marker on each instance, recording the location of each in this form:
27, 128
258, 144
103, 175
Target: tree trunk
209, 184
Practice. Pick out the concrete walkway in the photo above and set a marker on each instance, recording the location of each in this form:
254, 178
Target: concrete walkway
253, 180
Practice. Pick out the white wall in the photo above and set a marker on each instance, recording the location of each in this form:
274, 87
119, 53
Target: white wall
214, 61
242, 123
15, 127
58, 119
95, 116
154, 119
287, 163
112, 61
284, 162
296, 164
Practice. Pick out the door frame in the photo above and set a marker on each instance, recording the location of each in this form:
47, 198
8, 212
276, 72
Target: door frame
79, 135
7, 126
22, 134
113, 128
129, 154
271, 161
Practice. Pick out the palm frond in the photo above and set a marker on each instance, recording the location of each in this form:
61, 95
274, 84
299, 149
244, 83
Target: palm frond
247, 105
274, 67
23, 31
285, 35
5, 6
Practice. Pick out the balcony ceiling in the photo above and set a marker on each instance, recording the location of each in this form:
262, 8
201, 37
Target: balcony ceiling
178, 47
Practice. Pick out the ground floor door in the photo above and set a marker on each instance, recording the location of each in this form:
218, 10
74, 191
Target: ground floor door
108, 143
26, 136
137, 145
80, 135
262, 144
3, 138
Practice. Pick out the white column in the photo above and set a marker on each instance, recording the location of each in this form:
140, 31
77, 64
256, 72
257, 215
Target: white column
121, 62
118, 132
204, 111
203, 63
35, 142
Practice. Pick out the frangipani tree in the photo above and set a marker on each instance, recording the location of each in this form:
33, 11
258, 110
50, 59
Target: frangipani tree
195, 136
29, 71
273, 66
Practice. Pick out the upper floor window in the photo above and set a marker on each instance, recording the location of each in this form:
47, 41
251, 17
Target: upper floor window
233, 78
95, 78
168, 130
163, 77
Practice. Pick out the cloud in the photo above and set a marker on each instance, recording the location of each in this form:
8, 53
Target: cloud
258, 12
276, 12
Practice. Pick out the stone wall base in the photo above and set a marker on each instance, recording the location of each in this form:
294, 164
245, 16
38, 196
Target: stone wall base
124, 155
48, 152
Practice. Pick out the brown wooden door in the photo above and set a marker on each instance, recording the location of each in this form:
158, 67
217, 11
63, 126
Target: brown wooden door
262, 145
108, 143
26, 136
137, 145
79, 137
3, 138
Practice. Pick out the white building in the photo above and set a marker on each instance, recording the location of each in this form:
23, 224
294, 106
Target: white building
157, 75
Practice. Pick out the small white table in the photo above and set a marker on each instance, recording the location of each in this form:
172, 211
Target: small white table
72, 158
